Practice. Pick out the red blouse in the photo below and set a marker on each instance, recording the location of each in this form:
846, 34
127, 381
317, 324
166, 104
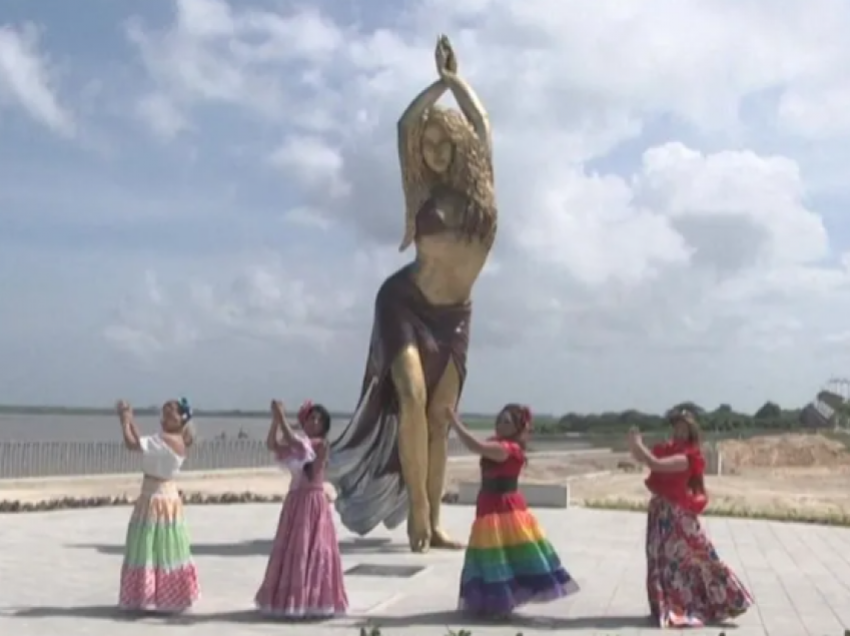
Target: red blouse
511, 467
496, 502
676, 487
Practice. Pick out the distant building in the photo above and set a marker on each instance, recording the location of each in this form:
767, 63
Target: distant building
830, 407
812, 417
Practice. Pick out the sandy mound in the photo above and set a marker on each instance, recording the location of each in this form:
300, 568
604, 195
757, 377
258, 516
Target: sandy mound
783, 451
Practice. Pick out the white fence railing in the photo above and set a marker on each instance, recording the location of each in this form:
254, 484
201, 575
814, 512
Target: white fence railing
19, 460
53, 459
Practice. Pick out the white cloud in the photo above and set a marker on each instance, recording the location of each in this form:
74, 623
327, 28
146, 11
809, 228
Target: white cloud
659, 188
152, 322
246, 58
25, 78
313, 163
279, 300
684, 251
161, 115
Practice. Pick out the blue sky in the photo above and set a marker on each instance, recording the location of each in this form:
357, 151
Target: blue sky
202, 198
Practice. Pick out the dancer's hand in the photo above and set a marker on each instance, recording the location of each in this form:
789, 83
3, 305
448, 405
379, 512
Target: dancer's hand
445, 58
122, 407
635, 438
277, 411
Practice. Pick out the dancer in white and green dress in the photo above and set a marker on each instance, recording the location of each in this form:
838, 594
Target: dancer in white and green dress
158, 573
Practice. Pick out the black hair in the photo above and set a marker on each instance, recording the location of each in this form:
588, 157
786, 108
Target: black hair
521, 417
325, 420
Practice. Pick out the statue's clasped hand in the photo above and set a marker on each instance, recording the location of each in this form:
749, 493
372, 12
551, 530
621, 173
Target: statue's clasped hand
445, 57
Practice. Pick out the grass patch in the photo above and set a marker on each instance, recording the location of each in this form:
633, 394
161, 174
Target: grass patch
839, 519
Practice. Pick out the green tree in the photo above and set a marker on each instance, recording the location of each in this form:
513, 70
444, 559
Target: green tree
768, 411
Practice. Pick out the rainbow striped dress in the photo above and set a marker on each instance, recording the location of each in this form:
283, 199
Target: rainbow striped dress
509, 561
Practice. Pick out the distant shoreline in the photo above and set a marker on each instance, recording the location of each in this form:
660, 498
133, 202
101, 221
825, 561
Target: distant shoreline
143, 410
154, 410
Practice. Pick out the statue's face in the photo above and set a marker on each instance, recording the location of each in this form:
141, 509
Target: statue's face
437, 147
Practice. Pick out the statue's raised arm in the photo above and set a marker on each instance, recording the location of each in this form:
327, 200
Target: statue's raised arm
431, 139
466, 97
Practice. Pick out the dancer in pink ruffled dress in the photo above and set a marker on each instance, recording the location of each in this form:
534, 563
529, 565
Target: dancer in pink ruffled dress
304, 574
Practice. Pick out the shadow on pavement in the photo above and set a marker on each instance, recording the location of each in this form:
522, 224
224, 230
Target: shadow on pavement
113, 613
263, 547
103, 612
455, 619
260, 547
372, 546
248, 616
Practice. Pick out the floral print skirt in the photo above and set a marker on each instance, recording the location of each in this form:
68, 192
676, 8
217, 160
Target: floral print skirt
687, 583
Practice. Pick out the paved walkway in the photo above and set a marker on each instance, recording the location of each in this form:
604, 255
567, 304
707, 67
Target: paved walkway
59, 570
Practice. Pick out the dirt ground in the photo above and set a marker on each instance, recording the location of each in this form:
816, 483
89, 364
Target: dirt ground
799, 474
783, 451
805, 474
802, 491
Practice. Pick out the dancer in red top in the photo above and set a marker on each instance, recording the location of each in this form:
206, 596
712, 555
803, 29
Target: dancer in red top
687, 583
509, 561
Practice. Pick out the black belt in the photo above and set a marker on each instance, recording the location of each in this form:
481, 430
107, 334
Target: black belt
499, 485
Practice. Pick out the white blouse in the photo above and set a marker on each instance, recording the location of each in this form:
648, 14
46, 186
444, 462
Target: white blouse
294, 456
158, 458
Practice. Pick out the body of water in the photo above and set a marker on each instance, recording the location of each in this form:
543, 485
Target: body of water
40, 445
105, 428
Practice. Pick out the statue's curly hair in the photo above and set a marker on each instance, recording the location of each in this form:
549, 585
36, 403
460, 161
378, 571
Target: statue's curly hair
470, 173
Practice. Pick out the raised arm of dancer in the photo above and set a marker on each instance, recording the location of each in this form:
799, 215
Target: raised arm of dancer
672, 464
285, 428
188, 434
463, 92
279, 423
489, 450
128, 426
271, 438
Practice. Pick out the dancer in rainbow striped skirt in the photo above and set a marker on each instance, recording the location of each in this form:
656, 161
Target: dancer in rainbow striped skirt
158, 573
509, 562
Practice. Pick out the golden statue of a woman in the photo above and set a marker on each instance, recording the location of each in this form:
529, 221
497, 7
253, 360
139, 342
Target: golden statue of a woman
390, 462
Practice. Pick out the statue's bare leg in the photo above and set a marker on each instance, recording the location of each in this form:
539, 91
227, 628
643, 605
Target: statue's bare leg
445, 396
409, 381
